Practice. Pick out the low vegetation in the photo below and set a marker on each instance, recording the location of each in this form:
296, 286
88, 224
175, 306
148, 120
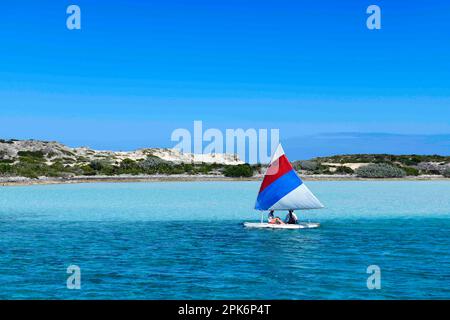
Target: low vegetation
380, 170
311, 167
344, 170
408, 165
10, 141
31, 154
410, 171
447, 173
34, 166
307, 165
241, 170
406, 160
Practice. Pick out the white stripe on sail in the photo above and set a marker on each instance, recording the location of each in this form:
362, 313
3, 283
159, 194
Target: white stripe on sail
299, 198
278, 153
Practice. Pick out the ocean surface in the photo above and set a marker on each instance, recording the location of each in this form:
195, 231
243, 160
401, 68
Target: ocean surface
185, 240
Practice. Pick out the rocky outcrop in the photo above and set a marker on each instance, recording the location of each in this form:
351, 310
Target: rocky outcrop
11, 150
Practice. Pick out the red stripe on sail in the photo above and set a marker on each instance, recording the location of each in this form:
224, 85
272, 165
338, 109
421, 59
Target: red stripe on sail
276, 169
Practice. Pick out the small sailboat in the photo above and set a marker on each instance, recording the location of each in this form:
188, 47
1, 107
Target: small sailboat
282, 189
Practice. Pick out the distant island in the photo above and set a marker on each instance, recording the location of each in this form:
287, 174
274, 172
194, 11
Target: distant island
32, 161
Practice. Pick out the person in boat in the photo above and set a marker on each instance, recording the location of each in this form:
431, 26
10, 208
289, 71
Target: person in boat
274, 220
291, 218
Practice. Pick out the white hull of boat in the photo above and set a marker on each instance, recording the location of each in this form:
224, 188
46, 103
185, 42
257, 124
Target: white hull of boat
301, 225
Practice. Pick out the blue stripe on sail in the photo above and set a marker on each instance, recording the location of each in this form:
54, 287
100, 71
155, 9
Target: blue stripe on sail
277, 190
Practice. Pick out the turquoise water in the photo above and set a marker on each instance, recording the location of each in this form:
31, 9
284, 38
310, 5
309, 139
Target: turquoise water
186, 241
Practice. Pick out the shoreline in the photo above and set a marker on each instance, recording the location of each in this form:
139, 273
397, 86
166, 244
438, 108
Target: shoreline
22, 181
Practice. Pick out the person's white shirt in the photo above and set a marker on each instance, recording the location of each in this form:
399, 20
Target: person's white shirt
295, 216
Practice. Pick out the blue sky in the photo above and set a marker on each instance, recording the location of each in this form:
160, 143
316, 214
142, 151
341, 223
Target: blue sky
138, 70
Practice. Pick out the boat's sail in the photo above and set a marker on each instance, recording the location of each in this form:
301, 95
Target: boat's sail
282, 188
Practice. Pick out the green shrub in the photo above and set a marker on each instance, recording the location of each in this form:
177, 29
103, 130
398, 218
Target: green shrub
31, 160
324, 170
175, 170
188, 167
99, 165
88, 171
344, 170
203, 169
128, 164
108, 170
241, 170
258, 167
307, 165
410, 171
407, 160
11, 141
82, 159
411, 161
28, 170
27, 173
446, 172
31, 154
152, 162
5, 169
380, 170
